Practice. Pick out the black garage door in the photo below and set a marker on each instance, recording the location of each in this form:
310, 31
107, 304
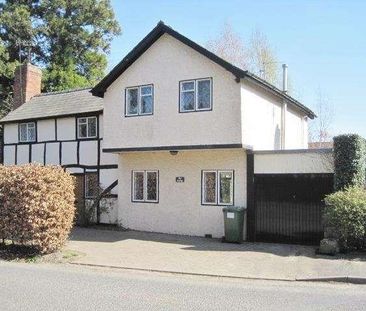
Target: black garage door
288, 207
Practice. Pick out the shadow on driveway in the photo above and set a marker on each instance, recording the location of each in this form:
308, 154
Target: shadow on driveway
189, 242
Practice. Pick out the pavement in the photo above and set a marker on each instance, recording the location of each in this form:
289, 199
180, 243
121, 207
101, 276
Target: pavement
58, 287
202, 256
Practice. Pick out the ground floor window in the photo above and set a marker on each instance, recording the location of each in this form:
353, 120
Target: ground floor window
91, 185
217, 187
86, 186
145, 186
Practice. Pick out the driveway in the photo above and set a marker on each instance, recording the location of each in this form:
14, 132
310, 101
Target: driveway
195, 255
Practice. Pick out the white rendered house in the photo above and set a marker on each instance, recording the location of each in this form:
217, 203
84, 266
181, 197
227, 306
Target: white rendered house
181, 122
184, 133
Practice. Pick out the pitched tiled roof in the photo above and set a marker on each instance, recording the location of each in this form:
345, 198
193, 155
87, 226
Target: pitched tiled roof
55, 104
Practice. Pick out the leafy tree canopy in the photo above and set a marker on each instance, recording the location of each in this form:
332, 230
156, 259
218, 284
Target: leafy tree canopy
68, 39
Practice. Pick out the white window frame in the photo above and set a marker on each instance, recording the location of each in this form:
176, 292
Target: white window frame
27, 126
139, 100
217, 188
187, 91
195, 90
144, 200
87, 127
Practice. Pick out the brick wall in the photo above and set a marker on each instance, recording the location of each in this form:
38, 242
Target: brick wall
27, 83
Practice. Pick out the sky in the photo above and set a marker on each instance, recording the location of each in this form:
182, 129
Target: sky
323, 42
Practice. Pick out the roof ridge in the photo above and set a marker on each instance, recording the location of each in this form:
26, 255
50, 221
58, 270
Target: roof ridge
64, 91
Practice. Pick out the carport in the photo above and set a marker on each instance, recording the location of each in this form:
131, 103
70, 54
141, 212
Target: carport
286, 191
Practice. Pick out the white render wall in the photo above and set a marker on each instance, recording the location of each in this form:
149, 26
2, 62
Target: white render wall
164, 64
261, 118
10, 133
296, 130
261, 121
46, 130
293, 162
179, 210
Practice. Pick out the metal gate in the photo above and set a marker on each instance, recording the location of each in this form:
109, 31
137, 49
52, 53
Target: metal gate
288, 207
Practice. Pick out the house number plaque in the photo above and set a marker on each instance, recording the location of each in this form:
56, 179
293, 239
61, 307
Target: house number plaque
179, 179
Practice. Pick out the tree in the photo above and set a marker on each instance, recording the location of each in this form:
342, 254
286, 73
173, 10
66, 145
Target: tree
262, 57
68, 39
230, 46
320, 128
255, 55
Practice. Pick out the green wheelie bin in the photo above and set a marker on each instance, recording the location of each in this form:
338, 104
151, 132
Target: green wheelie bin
234, 223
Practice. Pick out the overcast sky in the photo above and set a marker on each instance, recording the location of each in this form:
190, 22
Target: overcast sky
323, 42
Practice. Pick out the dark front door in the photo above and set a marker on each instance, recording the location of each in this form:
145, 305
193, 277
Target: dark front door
80, 199
288, 207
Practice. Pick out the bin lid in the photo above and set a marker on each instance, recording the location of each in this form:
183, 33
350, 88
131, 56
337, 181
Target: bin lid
233, 209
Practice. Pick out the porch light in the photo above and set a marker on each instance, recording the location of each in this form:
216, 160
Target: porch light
173, 152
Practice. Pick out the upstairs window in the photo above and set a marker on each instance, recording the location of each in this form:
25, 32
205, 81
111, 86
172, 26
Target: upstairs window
145, 186
27, 132
217, 187
87, 127
195, 95
139, 100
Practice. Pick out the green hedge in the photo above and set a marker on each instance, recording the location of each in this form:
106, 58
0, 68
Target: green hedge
349, 161
345, 213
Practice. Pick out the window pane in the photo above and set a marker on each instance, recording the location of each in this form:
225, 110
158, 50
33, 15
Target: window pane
82, 130
138, 185
187, 101
91, 185
203, 94
146, 90
226, 187
92, 127
209, 187
82, 120
132, 101
152, 185
31, 133
23, 132
188, 86
146, 104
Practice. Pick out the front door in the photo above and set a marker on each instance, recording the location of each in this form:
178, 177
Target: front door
80, 199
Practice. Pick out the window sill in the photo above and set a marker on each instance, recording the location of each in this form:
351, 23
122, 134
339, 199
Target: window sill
138, 115
153, 202
191, 111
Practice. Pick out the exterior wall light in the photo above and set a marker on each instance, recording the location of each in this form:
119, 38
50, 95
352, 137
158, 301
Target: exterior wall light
173, 152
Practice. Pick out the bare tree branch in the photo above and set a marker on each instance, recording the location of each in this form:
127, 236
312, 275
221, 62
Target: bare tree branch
320, 128
256, 55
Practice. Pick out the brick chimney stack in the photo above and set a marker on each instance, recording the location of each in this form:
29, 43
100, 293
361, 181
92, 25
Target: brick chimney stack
27, 83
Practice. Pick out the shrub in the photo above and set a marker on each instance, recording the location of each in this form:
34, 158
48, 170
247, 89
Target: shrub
36, 206
345, 213
349, 161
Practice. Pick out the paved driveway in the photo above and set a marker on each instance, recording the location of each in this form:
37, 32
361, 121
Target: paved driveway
173, 253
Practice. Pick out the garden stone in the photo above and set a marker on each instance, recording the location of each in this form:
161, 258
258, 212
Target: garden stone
329, 247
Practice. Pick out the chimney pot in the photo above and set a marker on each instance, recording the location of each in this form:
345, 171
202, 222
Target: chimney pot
27, 83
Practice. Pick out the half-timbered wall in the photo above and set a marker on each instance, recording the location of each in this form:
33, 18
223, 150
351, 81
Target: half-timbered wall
57, 143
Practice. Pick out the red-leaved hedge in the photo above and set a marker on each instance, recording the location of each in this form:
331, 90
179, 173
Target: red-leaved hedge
36, 206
